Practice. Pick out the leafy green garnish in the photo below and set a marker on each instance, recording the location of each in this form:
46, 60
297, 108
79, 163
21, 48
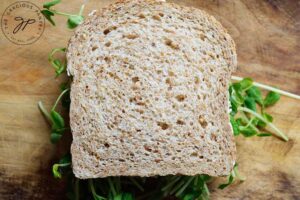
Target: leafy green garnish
271, 99
48, 5
48, 15
73, 19
63, 163
232, 177
59, 66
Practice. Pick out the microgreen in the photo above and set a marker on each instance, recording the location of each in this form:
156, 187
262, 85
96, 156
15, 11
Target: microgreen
232, 177
271, 99
244, 100
58, 65
63, 163
73, 19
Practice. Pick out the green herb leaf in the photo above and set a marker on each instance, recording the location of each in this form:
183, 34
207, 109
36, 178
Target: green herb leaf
255, 93
246, 83
55, 137
65, 159
48, 15
247, 131
230, 180
268, 117
55, 171
264, 134
235, 126
250, 103
57, 119
74, 21
271, 99
48, 5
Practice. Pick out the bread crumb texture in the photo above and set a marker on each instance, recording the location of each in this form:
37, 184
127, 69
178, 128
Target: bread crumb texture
149, 92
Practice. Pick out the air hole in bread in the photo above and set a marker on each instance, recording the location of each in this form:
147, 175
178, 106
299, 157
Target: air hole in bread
180, 122
180, 97
171, 73
201, 157
197, 80
202, 36
131, 36
147, 148
94, 48
213, 137
108, 30
194, 154
202, 121
107, 44
142, 16
135, 79
163, 125
171, 44
168, 81
156, 17
106, 145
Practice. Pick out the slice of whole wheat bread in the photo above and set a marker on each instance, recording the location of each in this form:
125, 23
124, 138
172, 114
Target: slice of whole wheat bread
149, 92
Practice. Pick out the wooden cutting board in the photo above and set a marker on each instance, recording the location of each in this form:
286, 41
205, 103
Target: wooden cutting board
267, 34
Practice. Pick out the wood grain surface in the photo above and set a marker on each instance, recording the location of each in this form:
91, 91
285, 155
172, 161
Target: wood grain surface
267, 34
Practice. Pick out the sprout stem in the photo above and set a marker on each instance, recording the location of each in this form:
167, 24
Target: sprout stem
266, 87
59, 97
277, 131
44, 112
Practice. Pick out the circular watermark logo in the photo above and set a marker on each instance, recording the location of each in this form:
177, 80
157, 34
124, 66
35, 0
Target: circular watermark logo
22, 23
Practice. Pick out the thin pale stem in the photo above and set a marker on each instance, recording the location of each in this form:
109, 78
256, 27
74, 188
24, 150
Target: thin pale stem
63, 13
136, 184
44, 112
59, 97
184, 187
277, 131
249, 122
111, 185
266, 87
237, 174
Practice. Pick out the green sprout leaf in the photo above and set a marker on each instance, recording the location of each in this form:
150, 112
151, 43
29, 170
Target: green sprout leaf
74, 21
264, 134
250, 103
230, 180
48, 5
255, 93
57, 119
271, 99
247, 131
56, 169
55, 137
246, 83
58, 65
48, 15
235, 126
